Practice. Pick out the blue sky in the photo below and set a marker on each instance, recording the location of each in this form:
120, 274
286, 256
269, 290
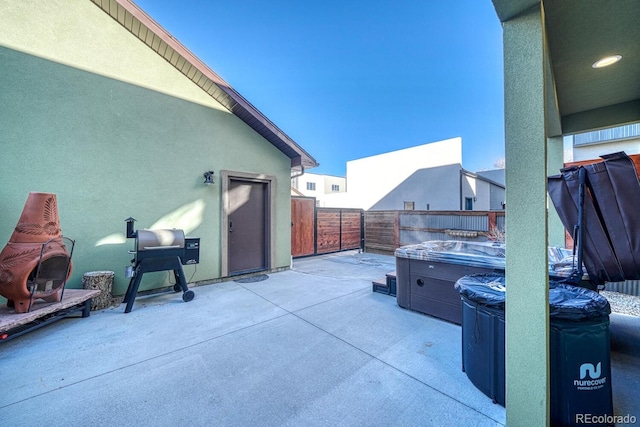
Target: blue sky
348, 79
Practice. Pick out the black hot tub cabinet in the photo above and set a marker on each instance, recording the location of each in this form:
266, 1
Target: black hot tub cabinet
427, 272
580, 365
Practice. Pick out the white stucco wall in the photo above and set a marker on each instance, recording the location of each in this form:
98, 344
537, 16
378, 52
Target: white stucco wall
483, 197
594, 151
436, 188
323, 186
371, 178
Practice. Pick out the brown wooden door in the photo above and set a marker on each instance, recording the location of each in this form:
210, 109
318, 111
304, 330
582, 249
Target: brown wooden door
248, 225
303, 225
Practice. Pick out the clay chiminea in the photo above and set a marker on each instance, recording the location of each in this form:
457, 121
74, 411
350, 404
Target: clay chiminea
35, 263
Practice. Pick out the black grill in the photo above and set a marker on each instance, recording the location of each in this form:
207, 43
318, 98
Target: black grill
161, 250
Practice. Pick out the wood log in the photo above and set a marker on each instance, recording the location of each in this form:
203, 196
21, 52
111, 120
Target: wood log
102, 281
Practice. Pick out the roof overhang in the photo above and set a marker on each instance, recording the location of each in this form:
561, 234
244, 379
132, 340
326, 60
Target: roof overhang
481, 178
141, 25
577, 34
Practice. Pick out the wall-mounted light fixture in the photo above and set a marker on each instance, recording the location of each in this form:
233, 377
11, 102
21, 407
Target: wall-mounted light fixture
208, 177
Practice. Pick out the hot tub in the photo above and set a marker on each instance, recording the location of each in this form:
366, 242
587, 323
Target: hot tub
427, 272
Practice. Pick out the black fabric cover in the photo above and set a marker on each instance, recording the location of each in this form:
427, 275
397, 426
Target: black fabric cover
579, 359
576, 303
610, 211
485, 289
580, 370
626, 187
565, 301
568, 213
597, 243
611, 225
599, 259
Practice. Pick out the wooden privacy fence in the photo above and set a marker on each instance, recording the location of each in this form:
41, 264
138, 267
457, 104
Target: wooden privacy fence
317, 230
385, 231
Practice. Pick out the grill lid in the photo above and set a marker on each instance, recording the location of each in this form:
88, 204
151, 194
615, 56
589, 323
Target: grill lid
160, 239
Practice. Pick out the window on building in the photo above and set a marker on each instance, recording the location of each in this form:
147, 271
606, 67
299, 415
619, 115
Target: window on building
606, 135
335, 187
311, 186
409, 206
468, 204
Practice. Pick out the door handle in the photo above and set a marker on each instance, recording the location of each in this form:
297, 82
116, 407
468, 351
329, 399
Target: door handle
230, 226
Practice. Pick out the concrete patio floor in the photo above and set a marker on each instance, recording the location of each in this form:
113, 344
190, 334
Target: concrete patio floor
309, 346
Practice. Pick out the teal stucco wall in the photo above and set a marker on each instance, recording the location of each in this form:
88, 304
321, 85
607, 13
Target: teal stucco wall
110, 149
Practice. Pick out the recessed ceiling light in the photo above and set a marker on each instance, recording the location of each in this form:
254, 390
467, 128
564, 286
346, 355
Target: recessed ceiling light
606, 61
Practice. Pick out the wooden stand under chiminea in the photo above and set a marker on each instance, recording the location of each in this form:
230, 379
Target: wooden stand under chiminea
36, 262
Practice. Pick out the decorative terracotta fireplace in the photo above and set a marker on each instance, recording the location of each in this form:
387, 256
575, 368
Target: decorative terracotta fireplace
36, 262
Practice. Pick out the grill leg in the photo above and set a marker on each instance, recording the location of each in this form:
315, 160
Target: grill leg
179, 275
187, 295
132, 290
128, 294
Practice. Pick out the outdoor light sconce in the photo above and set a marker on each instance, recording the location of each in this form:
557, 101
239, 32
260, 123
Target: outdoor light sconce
208, 177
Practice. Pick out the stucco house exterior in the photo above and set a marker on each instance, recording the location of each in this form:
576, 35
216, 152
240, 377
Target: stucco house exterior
104, 108
554, 87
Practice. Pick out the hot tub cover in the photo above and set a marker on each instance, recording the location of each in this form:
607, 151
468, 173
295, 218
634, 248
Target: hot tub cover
479, 254
476, 254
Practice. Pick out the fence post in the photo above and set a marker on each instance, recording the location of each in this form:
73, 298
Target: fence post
362, 230
493, 221
396, 230
315, 228
340, 231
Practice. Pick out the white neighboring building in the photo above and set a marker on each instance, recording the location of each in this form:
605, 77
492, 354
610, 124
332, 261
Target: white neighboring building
372, 178
444, 188
592, 145
318, 186
426, 177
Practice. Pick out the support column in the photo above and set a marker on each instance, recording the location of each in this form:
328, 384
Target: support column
555, 161
527, 319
